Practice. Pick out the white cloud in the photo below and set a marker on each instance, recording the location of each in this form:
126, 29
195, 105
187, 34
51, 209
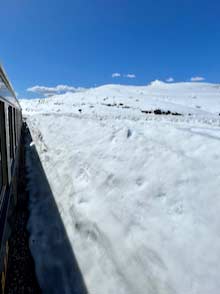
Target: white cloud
116, 75
49, 91
170, 80
130, 76
197, 79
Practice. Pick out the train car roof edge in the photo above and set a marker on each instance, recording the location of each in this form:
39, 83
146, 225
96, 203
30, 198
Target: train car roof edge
7, 83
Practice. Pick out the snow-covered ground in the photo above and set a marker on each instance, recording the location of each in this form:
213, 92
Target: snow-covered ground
138, 193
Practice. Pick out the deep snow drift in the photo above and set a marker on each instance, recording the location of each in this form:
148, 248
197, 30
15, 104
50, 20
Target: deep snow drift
138, 193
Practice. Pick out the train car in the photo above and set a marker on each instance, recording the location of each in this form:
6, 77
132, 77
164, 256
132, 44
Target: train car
10, 133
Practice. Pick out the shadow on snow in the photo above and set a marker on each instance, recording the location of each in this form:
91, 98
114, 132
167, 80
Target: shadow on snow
56, 265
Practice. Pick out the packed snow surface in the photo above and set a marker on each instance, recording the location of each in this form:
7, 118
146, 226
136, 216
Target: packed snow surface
138, 193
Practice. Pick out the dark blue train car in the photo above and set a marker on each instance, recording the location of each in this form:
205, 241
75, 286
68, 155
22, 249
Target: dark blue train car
10, 132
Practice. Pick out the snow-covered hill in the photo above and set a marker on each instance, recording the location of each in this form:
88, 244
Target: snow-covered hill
187, 98
138, 193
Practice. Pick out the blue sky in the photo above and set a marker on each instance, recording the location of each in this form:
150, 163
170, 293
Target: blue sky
82, 42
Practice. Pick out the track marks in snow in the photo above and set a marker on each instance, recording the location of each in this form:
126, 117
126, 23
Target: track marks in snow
83, 173
209, 133
146, 278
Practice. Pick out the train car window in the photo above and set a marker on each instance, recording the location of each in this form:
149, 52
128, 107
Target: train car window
3, 153
1, 167
11, 137
14, 126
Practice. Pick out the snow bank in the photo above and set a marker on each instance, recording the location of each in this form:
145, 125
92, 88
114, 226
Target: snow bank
138, 195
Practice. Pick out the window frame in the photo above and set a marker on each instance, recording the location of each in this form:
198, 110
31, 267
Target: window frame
14, 130
11, 135
3, 148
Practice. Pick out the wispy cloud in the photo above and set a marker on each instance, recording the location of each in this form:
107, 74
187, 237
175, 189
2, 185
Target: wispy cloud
49, 91
197, 79
170, 80
130, 76
119, 75
116, 75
